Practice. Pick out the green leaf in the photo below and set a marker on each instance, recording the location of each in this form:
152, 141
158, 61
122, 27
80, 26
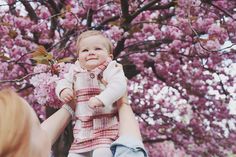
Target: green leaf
66, 59
4, 57
41, 56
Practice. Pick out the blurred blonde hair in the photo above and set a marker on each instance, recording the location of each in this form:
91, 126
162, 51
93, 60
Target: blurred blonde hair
94, 33
14, 125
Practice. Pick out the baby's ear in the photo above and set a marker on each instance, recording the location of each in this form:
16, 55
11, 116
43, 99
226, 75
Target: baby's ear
111, 55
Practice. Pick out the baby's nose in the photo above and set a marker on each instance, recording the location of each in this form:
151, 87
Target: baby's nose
91, 52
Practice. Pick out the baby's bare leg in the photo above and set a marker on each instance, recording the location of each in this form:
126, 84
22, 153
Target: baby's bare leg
102, 152
87, 154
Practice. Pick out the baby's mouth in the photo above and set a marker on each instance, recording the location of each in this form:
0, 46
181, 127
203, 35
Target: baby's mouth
88, 59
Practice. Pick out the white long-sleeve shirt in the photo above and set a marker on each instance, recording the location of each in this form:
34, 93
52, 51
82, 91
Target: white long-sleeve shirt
100, 128
113, 75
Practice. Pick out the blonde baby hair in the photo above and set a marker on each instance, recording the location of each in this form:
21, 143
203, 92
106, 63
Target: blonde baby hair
94, 33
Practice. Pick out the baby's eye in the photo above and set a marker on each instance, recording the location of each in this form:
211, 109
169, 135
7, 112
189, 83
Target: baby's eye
97, 48
84, 50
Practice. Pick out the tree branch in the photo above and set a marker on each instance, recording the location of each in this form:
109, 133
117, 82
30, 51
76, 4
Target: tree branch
106, 21
145, 7
219, 8
152, 65
32, 16
157, 140
66, 35
161, 7
127, 20
54, 10
20, 79
25, 87
125, 9
30, 11
89, 18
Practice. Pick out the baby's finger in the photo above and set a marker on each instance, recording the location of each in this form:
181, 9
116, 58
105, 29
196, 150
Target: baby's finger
64, 100
67, 95
70, 97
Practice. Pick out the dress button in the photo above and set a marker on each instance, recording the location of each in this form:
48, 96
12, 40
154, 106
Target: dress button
99, 77
92, 75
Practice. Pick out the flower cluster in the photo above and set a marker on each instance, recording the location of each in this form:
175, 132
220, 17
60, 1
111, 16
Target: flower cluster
45, 83
179, 56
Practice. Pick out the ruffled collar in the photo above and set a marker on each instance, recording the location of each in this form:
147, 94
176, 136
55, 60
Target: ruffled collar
96, 70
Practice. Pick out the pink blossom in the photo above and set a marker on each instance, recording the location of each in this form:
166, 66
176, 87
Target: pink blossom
180, 79
212, 45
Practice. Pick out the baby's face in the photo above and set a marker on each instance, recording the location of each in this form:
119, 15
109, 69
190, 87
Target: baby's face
93, 51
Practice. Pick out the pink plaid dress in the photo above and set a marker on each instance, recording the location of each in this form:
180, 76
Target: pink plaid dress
96, 128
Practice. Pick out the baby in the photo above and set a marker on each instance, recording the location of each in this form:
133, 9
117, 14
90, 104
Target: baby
97, 82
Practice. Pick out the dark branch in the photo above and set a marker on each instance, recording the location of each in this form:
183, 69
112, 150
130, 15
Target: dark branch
125, 9
156, 140
219, 8
30, 11
145, 7
150, 44
161, 7
89, 17
127, 20
54, 6
152, 65
20, 79
106, 21
54, 10
32, 16
27, 86
119, 47
66, 38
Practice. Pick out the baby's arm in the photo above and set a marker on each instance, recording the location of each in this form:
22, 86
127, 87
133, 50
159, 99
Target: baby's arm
64, 89
116, 84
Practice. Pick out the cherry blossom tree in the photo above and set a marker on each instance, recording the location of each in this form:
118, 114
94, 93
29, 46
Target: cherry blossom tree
179, 57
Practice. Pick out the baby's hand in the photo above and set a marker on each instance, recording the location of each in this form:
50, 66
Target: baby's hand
95, 103
67, 95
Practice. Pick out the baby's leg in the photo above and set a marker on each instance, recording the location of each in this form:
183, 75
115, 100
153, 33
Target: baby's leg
87, 154
102, 152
